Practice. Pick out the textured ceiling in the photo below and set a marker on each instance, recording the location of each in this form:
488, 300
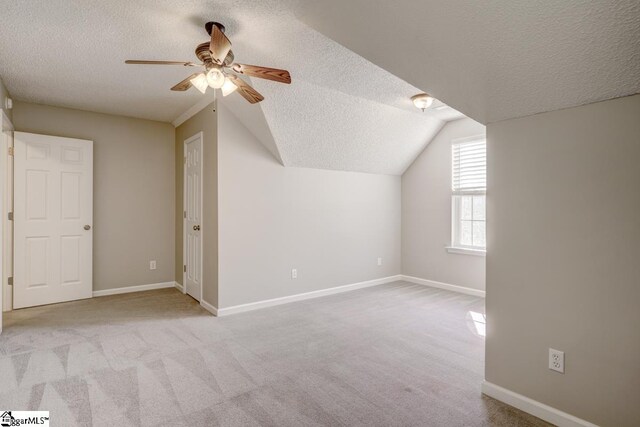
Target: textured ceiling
341, 112
494, 60
344, 131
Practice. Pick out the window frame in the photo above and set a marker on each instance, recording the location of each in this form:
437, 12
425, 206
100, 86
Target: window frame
456, 208
456, 220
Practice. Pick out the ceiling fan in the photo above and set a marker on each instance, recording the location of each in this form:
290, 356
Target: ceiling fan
220, 70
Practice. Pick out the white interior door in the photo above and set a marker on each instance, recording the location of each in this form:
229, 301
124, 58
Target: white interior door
193, 216
53, 217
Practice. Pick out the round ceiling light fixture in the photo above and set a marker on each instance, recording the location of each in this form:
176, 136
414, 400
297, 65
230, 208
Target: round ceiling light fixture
422, 100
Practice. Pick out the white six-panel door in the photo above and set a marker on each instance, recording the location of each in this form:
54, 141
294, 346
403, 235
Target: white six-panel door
53, 219
193, 216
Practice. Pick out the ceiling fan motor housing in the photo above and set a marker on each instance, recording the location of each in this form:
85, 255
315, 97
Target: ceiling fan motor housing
203, 54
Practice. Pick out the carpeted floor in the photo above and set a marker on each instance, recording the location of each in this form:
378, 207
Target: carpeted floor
391, 355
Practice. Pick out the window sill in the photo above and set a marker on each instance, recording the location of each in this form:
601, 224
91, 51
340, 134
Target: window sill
466, 251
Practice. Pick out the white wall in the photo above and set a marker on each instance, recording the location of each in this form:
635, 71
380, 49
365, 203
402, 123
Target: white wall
426, 214
332, 226
563, 269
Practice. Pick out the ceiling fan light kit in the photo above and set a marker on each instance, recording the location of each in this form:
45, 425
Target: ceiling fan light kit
422, 100
228, 87
220, 70
215, 78
200, 82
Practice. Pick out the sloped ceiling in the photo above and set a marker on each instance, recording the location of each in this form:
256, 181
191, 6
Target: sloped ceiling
494, 60
341, 111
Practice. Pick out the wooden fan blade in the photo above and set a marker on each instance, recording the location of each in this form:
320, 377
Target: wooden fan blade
247, 92
281, 76
185, 84
142, 62
219, 46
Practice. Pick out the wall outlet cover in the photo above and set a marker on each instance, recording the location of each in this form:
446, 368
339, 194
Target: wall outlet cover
556, 360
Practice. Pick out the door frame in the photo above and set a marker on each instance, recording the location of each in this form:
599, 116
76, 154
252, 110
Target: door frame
200, 136
6, 206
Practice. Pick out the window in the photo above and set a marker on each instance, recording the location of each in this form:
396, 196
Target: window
468, 200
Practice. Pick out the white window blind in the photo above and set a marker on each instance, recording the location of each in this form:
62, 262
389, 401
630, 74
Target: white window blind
469, 166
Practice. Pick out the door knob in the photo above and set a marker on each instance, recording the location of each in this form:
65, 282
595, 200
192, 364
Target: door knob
196, 228
87, 227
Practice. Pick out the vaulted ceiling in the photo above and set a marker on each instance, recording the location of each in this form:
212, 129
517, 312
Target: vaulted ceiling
494, 60
341, 111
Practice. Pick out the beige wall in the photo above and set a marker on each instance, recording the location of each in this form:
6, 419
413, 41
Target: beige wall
330, 225
205, 121
426, 214
563, 270
134, 190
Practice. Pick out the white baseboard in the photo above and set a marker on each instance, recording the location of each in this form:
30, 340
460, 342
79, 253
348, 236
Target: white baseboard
179, 287
210, 308
300, 297
127, 289
533, 407
447, 286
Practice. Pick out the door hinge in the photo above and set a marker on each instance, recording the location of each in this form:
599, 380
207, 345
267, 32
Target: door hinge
11, 151
10, 281
10, 216
184, 214
184, 268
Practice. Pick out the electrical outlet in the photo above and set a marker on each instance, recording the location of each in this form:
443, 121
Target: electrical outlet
294, 273
556, 360
379, 261
152, 264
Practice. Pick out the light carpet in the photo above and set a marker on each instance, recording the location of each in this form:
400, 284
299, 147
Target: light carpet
391, 355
